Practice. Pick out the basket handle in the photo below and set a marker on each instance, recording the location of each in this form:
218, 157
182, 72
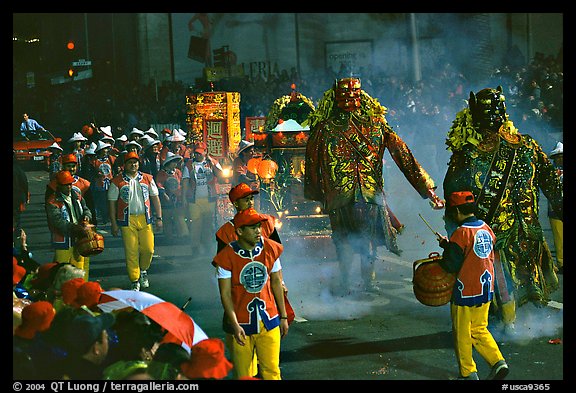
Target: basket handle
417, 264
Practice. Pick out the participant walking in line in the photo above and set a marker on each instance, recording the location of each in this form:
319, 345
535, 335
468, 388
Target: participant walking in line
68, 218
469, 253
131, 196
199, 177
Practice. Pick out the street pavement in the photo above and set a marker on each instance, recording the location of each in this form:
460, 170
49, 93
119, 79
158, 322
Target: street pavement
357, 337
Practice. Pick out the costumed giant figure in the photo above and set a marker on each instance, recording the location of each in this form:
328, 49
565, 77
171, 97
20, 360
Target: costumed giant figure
505, 171
343, 170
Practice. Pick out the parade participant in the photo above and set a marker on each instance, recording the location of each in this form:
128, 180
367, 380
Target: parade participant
556, 220
469, 254
118, 166
505, 171
169, 180
87, 168
150, 157
119, 146
103, 164
251, 293
173, 143
344, 157
240, 172
68, 219
135, 134
76, 146
80, 185
130, 197
242, 197
54, 159
199, 178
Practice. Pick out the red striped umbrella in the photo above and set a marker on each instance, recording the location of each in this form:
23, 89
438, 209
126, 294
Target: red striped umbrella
180, 326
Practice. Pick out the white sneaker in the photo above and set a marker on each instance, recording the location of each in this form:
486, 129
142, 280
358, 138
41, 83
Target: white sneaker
135, 286
144, 283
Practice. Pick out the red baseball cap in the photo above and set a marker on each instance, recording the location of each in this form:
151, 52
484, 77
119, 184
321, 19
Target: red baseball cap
67, 158
64, 177
240, 191
248, 217
460, 198
200, 147
131, 155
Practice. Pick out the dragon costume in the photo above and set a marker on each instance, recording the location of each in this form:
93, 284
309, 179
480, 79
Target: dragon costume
506, 171
343, 170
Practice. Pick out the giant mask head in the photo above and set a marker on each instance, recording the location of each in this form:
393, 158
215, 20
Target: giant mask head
348, 93
488, 108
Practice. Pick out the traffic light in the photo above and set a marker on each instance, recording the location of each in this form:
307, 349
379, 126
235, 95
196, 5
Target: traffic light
72, 72
70, 45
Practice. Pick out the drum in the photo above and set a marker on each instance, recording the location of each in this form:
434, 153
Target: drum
432, 285
91, 244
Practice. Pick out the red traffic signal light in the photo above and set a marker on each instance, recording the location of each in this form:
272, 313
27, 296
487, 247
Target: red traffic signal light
70, 45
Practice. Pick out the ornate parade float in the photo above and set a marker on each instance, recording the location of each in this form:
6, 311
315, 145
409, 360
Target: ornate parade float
281, 140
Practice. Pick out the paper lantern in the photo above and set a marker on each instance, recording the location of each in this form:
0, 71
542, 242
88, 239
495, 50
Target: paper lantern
253, 164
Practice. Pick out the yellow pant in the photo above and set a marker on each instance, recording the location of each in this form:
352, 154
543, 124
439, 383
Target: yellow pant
229, 340
470, 331
202, 216
558, 232
266, 345
138, 239
71, 256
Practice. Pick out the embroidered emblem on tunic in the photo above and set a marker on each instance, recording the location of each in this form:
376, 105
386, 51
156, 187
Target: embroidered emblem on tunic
253, 276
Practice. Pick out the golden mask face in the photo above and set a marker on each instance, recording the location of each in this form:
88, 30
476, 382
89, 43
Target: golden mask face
348, 93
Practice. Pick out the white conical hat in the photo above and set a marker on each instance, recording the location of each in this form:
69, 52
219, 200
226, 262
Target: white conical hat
175, 136
55, 145
138, 146
136, 131
244, 145
171, 157
91, 149
101, 145
77, 136
106, 131
152, 131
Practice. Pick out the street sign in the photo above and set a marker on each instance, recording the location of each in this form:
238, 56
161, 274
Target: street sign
81, 63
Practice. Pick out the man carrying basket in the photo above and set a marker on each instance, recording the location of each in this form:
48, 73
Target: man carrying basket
68, 220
